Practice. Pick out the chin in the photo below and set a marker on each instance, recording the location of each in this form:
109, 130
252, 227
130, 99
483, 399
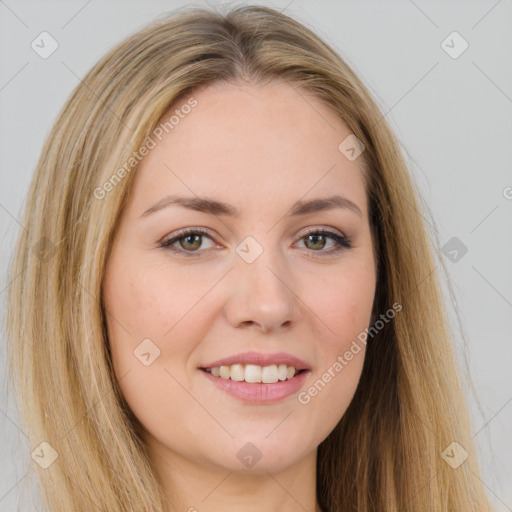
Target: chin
259, 456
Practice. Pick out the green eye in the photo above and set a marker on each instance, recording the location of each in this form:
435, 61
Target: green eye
191, 239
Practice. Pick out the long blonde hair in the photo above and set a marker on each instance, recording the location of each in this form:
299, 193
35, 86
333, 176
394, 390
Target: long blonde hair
385, 454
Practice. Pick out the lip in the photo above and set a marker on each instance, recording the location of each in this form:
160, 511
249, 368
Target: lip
259, 393
260, 359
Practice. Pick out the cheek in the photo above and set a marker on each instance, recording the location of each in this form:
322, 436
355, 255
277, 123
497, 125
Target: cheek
149, 300
343, 305
169, 307
142, 304
343, 309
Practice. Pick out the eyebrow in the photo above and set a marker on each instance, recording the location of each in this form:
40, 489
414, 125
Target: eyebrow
207, 205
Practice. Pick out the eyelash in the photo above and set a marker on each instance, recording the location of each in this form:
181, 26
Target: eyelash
343, 241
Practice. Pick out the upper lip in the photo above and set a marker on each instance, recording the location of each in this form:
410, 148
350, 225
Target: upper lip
260, 359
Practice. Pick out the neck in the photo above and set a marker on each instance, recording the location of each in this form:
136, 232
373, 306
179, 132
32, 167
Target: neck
194, 487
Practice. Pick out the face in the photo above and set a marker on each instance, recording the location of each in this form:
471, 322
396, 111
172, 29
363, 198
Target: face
262, 284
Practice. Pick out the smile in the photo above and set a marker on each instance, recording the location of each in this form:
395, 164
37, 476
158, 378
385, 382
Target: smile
256, 377
253, 373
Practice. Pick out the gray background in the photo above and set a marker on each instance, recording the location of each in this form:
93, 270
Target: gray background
454, 117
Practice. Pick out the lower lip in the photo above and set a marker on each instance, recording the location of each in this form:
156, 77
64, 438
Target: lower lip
258, 393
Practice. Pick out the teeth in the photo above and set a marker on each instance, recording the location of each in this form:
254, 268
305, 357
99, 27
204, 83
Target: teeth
225, 372
237, 372
269, 374
254, 373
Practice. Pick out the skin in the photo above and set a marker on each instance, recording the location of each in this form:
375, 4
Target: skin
259, 148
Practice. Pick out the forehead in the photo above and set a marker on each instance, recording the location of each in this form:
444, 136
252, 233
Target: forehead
248, 145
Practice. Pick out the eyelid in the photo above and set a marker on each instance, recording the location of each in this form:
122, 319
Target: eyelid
328, 229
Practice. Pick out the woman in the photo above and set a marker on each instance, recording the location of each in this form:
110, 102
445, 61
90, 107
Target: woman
229, 299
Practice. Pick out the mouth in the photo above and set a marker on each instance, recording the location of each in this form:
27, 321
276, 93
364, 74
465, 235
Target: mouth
258, 378
255, 374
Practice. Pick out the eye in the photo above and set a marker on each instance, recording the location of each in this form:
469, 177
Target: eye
191, 239
316, 239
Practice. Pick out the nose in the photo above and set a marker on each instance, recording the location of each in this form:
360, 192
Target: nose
261, 295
